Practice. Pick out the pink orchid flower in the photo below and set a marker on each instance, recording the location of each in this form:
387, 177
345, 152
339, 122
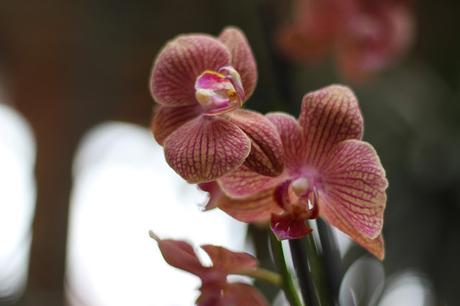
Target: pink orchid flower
329, 172
200, 83
215, 290
365, 35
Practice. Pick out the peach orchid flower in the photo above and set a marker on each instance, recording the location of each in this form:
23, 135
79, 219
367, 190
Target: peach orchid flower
200, 83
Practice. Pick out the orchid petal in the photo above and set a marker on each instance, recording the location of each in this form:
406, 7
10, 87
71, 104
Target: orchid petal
242, 57
257, 208
376, 36
328, 116
168, 119
242, 294
181, 255
206, 148
332, 216
244, 182
288, 226
354, 185
291, 137
180, 62
228, 261
266, 157
214, 194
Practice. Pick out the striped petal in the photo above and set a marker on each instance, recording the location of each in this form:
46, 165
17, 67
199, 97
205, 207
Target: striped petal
328, 116
228, 261
242, 57
291, 137
244, 182
180, 62
181, 255
242, 294
375, 246
257, 208
206, 148
354, 187
168, 119
266, 157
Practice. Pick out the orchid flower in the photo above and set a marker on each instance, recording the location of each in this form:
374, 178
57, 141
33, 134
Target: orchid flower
366, 36
200, 83
215, 289
329, 172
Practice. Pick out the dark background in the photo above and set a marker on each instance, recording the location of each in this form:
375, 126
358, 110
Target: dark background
68, 65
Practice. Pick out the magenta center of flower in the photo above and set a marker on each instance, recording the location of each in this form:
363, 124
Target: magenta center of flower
219, 91
299, 197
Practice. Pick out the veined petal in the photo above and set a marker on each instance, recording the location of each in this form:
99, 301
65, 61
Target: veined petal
181, 255
257, 208
375, 246
354, 187
328, 116
228, 261
168, 119
206, 148
266, 157
244, 182
239, 294
242, 57
291, 137
180, 62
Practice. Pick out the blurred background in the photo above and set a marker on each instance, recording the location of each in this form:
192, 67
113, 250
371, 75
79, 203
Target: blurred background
82, 180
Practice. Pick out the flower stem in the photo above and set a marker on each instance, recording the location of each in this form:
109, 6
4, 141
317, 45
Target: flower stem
265, 275
331, 258
300, 249
289, 287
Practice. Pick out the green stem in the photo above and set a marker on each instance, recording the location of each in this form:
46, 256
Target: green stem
289, 287
264, 275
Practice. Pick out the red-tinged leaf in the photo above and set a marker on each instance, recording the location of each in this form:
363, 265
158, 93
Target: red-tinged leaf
242, 57
206, 148
181, 255
291, 137
228, 261
266, 157
239, 294
288, 226
180, 62
354, 185
257, 208
329, 116
168, 119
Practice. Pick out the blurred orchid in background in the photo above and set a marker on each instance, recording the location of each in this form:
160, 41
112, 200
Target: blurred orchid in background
215, 290
364, 36
200, 83
328, 172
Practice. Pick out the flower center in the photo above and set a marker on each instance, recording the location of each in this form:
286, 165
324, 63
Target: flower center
219, 91
298, 197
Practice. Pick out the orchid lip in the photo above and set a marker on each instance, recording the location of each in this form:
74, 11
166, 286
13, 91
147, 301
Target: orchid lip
219, 91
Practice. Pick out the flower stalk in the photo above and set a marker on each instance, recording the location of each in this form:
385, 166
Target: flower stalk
264, 275
288, 285
301, 252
